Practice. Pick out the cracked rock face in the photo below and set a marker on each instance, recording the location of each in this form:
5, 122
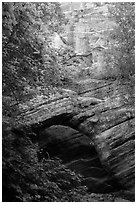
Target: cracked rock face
114, 131
103, 114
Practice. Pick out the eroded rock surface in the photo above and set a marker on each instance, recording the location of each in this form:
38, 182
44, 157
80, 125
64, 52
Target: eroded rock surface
114, 131
78, 154
103, 111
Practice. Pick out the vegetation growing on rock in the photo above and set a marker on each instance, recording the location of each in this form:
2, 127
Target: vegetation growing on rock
121, 53
33, 180
29, 63
35, 74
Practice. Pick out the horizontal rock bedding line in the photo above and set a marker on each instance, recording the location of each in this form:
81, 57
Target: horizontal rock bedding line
104, 113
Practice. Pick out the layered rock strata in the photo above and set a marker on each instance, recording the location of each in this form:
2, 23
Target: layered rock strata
78, 154
103, 111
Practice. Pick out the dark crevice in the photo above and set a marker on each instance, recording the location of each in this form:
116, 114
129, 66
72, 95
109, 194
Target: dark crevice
123, 140
84, 160
61, 119
87, 91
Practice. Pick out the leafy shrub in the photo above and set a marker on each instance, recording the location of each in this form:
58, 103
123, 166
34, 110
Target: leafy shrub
25, 178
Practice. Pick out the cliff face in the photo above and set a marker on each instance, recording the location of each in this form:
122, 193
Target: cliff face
90, 125
113, 132
102, 114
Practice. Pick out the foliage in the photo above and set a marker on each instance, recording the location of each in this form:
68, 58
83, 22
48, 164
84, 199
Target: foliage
25, 178
28, 59
121, 52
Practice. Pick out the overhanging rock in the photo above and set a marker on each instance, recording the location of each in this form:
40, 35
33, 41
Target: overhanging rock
104, 112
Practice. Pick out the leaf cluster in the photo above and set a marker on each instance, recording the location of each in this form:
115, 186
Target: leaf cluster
28, 61
122, 38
